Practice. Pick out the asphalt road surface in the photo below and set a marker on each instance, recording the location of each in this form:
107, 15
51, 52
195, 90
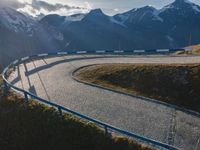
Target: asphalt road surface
51, 79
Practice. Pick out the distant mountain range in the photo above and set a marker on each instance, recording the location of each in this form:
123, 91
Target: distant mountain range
175, 25
21, 36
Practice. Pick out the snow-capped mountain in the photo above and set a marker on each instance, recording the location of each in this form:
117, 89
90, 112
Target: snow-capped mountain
181, 4
21, 36
178, 8
173, 26
146, 27
57, 21
73, 18
139, 16
16, 21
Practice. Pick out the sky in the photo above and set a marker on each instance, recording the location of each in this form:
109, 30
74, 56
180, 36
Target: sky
69, 7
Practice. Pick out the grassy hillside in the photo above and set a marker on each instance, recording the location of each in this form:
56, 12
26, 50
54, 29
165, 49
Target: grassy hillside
174, 84
195, 49
33, 126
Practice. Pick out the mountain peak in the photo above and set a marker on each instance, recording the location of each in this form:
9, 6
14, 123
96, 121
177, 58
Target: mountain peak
16, 21
149, 7
185, 5
182, 2
96, 12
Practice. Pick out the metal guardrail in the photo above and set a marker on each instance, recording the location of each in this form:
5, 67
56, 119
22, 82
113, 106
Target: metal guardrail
60, 108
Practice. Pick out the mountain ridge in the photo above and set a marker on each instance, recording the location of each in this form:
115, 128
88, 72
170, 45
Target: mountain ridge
173, 26
145, 21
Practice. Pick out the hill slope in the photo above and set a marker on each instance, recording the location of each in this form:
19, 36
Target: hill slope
34, 126
174, 84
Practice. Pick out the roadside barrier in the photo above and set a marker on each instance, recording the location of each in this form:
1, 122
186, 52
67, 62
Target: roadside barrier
27, 95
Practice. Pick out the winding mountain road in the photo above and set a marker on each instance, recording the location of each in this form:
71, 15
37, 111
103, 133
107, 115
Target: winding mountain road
51, 78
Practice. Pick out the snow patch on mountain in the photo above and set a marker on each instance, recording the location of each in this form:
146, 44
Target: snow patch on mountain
16, 21
121, 23
180, 3
123, 18
170, 40
156, 16
196, 8
72, 18
56, 34
187, 1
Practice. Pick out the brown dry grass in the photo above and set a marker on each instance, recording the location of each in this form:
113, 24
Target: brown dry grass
33, 126
174, 84
195, 49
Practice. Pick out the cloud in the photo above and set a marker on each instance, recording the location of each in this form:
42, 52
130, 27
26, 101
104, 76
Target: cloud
116, 9
88, 5
11, 3
51, 7
40, 7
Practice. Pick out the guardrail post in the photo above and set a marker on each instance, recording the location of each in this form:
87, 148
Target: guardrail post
5, 86
60, 112
26, 96
106, 130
